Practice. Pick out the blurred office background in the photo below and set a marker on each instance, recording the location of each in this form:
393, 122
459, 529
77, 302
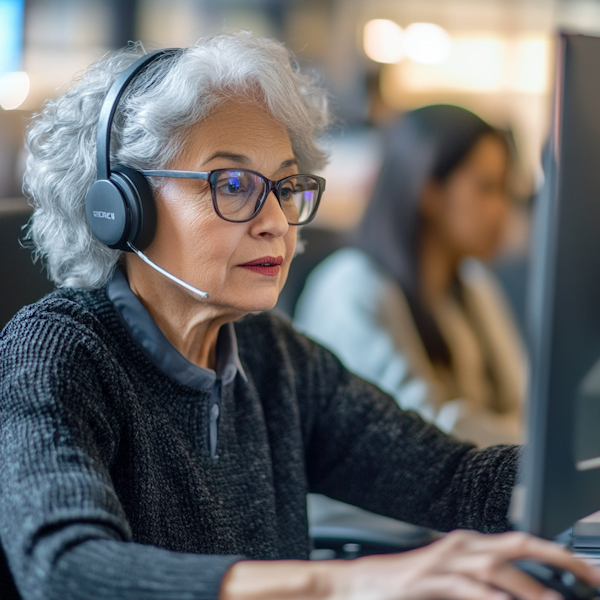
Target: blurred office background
376, 57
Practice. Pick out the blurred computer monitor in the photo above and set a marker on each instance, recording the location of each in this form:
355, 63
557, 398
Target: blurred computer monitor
560, 471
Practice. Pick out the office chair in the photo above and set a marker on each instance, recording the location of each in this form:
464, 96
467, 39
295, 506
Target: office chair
23, 282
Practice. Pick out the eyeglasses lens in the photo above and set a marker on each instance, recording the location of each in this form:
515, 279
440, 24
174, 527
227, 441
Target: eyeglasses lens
298, 197
239, 195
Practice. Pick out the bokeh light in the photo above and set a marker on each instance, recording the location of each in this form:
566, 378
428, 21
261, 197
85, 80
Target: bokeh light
427, 43
383, 41
14, 88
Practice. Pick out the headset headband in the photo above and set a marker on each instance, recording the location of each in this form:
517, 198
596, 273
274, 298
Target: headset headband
111, 101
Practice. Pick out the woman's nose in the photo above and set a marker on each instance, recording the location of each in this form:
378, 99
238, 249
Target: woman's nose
271, 220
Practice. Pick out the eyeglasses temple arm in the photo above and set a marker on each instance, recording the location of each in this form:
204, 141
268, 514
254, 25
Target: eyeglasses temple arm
178, 174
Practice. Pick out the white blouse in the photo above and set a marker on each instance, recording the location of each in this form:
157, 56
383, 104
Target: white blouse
351, 306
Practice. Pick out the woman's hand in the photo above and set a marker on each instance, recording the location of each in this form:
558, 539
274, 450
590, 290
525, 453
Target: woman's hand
464, 565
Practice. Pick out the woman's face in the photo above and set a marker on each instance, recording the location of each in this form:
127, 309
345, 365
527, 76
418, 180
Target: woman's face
469, 210
212, 254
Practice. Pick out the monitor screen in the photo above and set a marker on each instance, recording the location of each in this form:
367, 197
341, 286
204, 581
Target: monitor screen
560, 471
11, 35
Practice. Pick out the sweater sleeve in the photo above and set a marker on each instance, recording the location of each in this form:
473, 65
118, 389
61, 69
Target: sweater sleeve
364, 450
62, 525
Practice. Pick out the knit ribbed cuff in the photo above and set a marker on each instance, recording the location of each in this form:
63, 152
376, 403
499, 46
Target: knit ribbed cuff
110, 570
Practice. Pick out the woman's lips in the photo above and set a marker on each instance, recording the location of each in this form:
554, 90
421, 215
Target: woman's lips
266, 265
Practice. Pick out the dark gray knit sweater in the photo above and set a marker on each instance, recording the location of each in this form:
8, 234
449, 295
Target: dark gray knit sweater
108, 488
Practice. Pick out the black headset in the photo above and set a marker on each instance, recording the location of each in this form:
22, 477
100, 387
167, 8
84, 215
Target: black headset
120, 207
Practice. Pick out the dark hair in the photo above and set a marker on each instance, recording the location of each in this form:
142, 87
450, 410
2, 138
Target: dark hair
426, 143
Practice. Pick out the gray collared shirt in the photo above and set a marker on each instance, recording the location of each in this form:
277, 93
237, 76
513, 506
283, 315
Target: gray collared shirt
170, 361
162, 353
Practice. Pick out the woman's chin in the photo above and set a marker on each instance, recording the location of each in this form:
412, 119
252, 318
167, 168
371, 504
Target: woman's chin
261, 306
258, 301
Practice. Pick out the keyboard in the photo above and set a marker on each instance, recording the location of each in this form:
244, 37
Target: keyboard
585, 541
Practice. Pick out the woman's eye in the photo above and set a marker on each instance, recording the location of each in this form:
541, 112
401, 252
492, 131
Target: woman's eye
231, 186
286, 191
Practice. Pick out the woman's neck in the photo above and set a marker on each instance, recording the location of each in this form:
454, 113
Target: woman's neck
194, 337
189, 324
438, 267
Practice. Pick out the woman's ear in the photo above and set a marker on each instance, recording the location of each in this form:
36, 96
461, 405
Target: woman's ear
431, 199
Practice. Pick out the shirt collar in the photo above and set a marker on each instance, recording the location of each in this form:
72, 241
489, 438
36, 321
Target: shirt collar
162, 353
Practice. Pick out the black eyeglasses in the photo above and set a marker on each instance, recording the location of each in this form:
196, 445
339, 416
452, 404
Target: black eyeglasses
238, 195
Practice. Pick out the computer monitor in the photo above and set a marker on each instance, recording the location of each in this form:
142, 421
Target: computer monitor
559, 479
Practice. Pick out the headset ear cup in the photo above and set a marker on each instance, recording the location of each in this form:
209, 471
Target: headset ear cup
141, 205
107, 213
122, 210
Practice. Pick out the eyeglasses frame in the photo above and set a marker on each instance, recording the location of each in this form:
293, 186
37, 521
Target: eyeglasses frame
271, 186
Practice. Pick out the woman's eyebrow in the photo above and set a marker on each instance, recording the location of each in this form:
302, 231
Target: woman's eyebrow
290, 162
240, 159
243, 160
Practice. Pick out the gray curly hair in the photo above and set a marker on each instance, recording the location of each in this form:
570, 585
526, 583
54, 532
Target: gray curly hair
148, 132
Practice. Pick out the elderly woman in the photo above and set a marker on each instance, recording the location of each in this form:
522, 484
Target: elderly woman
160, 431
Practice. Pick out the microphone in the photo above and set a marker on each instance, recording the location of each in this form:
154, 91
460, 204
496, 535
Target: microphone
182, 283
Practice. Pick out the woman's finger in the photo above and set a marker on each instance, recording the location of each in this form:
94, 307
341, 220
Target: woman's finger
515, 546
492, 569
520, 585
